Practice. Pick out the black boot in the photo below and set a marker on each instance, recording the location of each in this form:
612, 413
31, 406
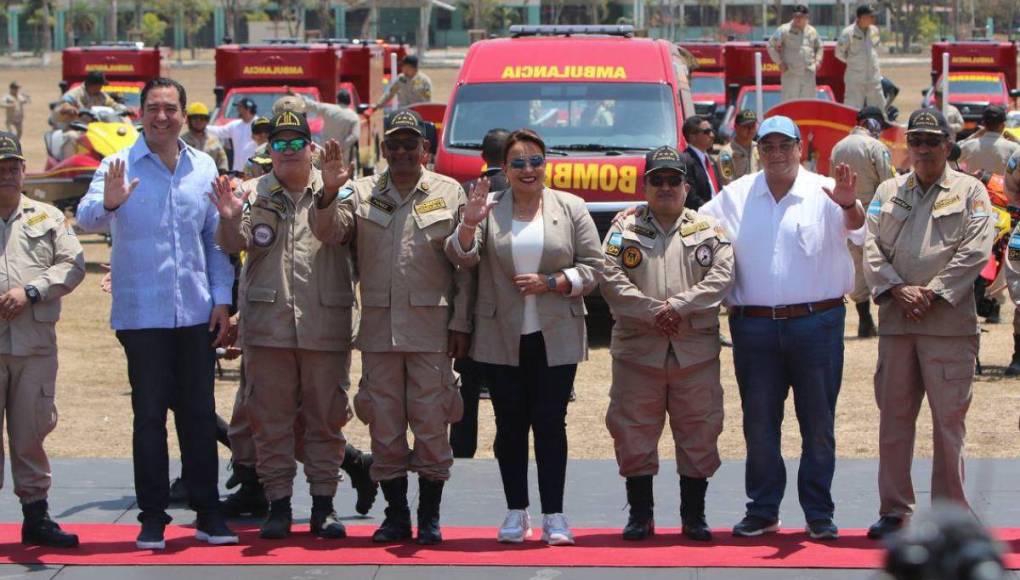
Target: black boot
279, 520
430, 495
994, 316
1014, 364
357, 465
39, 530
641, 523
397, 524
866, 325
249, 500
324, 522
692, 508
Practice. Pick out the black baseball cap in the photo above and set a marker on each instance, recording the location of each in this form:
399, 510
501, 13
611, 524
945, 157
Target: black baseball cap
291, 121
95, 77
871, 112
746, 117
993, 115
864, 10
928, 120
664, 157
800, 9
248, 104
411, 60
404, 121
261, 124
10, 146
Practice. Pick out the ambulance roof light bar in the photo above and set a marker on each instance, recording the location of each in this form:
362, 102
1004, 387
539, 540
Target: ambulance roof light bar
519, 30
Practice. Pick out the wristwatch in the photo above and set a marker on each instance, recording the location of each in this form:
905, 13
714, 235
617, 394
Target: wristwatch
33, 294
550, 281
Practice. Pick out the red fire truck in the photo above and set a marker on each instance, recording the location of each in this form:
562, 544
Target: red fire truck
265, 72
981, 73
127, 66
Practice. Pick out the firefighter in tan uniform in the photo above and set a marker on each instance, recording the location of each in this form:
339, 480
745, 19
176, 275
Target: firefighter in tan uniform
1012, 186
410, 87
797, 49
990, 151
857, 46
197, 137
666, 271
929, 236
414, 320
42, 261
296, 299
91, 94
871, 161
739, 157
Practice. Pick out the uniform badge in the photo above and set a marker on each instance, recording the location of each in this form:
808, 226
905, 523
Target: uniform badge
632, 257
36, 219
385, 205
726, 165
263, 235
642, 231
902, 203
424, 186
615, 244
691, 229
946, 202
703, 255
430, 205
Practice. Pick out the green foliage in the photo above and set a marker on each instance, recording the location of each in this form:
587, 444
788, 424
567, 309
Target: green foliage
928, 27
153, 28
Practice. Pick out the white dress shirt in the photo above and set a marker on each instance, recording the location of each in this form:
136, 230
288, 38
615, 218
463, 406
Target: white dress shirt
788, 252
526, 243
239, 134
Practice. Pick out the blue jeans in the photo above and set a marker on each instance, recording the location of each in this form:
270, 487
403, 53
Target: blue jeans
770, 356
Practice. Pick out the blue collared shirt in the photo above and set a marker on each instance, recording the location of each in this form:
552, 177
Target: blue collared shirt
168, 271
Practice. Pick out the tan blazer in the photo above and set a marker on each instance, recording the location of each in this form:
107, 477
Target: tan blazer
571, 241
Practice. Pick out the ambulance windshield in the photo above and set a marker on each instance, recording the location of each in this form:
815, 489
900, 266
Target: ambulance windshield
263, 104
976, 85
704, 85
571, 116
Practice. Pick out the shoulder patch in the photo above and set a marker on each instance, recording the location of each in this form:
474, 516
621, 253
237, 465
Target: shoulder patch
615, 244
632, 257
691, 229
345, 192
1012, 164
703, 254
1014, 241
875, 207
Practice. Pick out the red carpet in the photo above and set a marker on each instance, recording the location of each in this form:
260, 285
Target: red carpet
114, 544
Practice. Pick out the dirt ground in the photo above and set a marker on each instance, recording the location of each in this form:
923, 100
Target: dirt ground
93, 392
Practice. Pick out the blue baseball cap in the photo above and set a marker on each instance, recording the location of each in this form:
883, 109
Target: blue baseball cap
778, 124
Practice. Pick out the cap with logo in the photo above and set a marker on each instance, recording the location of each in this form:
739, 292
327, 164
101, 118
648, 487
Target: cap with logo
927, 121
746, 117
800, 9
404, 121
290, 121
778, 124
10, 146
875, 113
993, 116
261, 124
664, 157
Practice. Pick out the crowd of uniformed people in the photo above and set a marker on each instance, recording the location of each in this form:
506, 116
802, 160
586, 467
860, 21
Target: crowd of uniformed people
415, 271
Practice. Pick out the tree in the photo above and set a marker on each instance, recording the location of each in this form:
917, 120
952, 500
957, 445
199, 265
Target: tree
195, 14
904, 15
41, 18
235, 9
153, 28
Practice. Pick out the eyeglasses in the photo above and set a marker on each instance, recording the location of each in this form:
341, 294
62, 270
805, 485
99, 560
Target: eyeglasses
534, 161
786, 147
658, 180
281, 145
924, 140
707, 131
398, 144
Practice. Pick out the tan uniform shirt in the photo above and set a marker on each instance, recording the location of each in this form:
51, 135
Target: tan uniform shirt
868, 157
688, 263
858, 48
411, 294
939, 239
39, 250
340, 123
82, 100
955, 119
411, 91
209, 145
297, 288
15, 106
989, 152
800, 50
1012, 181
736, 161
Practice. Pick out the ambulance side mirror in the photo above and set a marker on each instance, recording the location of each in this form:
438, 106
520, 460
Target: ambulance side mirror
1014, 93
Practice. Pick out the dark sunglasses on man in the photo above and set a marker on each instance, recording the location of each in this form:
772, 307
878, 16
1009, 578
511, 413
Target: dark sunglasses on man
659, 180
924, 140
281, 145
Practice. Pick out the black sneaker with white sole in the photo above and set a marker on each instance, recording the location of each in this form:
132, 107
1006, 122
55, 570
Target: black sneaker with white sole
151, 536
212, 528
823, 529
752, 526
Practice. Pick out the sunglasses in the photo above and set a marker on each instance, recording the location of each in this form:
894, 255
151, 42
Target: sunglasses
281, 145
924, 140
534, 161
658, 180
707, 131
404, 144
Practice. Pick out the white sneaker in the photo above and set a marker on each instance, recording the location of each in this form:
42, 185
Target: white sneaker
516, 526
556, 530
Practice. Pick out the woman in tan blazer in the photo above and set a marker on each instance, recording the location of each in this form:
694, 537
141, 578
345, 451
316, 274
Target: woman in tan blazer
538, 254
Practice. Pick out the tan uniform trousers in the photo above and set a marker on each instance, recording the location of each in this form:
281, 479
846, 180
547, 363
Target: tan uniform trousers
242, 445
798, 84
639, 400
861, 292
409, 389
911, 366
288, 388
27, 388
860, 92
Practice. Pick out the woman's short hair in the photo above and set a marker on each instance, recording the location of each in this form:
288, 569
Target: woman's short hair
519, 136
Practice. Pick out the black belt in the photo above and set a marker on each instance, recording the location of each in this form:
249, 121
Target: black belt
788, 311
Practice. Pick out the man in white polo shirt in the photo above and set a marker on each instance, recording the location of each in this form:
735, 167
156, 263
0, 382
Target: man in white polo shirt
786, 318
